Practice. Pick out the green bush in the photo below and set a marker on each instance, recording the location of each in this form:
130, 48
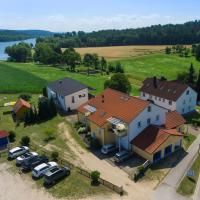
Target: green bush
49, 135
25, 141
139, 173
25, 97
94, 143
54, 156
95, 175
12, 136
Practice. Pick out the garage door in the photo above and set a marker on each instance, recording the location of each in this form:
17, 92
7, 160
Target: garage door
157, 156
168, 150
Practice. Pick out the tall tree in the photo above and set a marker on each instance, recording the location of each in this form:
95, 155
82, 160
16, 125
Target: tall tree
197, 53
103, 64
119, 82
191, 76
198, 86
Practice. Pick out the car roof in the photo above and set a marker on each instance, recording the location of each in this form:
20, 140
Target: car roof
53, 164
52, 171
34, 153
39, 167
15, 149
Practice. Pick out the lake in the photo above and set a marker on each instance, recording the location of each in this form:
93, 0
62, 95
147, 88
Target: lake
3, 46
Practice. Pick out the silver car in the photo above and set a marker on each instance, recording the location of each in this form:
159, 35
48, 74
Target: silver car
17, 151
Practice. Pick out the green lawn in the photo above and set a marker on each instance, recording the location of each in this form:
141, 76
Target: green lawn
188, 185
157, 65
36, 132
31, 78
188, 139
17, 77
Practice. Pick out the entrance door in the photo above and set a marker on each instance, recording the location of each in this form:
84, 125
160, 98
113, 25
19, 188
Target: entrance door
157, 156
168, 150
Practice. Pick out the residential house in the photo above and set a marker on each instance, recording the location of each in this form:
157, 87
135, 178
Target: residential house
115, 117
20, 108
68, 94
171, 95
4, 140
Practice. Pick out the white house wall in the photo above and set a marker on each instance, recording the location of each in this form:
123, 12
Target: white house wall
78, 100
186, 103
134, 130
159, 101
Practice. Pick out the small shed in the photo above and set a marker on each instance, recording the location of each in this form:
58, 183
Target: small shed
4, 140
20, 108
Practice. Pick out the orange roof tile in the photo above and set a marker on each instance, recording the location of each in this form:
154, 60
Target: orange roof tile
173, 120
19, 104
112, 103
152, 137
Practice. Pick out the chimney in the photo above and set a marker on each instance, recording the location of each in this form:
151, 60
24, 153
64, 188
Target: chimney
102, 98
155, 84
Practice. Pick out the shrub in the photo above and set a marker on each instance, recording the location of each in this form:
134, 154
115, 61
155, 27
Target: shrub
25, 97
49, 135
95, 144
12, 136
139, 173
25, 141
82, 130
54, 156
78, 124
95, 175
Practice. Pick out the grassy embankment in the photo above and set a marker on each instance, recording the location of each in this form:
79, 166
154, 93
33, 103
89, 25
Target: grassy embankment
188, 185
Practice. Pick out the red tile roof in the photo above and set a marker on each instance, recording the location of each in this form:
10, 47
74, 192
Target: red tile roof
112, 103
173, 120
170, 90
19, 104
152, 137
3, 134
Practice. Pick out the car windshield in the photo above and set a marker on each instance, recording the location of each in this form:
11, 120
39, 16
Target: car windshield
35, 171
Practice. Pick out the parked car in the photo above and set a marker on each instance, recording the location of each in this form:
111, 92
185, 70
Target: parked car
21, 159
122, 156
108, 148
41, 170
55, 174
30, 164
17, 151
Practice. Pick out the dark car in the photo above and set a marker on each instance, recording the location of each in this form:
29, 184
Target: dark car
55, 174
33, 162
122, 156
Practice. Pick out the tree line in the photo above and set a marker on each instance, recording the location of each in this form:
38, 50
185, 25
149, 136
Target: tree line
51, 55
184, 51
187, 33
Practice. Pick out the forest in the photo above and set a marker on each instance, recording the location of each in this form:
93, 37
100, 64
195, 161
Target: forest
187, 33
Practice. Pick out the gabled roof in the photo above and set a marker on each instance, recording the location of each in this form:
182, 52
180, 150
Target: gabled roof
3, 134
170, 90
152, 137
19, 104
173, 120
112, 103
66, 86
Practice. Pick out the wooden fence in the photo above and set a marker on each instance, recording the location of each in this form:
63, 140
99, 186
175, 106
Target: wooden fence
83, 172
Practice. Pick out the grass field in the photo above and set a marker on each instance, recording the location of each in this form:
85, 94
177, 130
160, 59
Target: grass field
31, 78
119, 52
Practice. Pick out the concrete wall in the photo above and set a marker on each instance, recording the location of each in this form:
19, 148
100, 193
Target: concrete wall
134, 130
159, 101
187, 103
78, 100
66, 102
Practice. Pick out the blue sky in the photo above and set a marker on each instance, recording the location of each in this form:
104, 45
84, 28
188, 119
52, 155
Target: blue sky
89, 15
